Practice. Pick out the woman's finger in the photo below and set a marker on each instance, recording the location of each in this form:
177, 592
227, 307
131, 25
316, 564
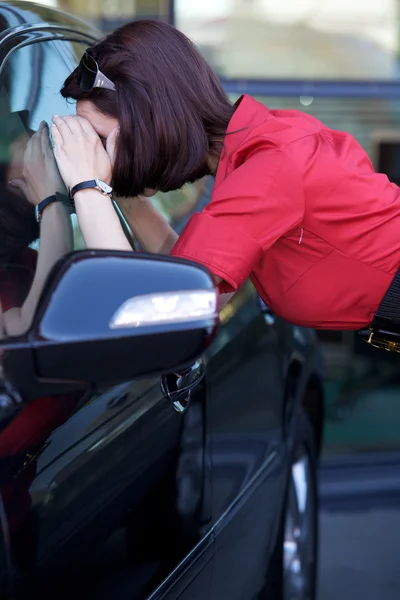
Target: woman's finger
31, 146
20, 184
73, 122
111, 143
86, 127
44, 140
57, 138
66, 121
62, 127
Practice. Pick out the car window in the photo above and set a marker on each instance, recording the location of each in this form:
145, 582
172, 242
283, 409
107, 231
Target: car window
178, 206
29, 94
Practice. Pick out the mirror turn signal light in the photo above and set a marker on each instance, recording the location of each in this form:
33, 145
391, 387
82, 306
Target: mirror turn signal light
166, 308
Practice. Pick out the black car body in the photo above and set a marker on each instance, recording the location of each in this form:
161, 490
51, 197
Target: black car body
154, 464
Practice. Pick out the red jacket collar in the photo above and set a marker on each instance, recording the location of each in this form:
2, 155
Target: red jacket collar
248, 115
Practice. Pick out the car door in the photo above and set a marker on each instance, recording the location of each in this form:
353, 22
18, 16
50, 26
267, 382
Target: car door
247, 381
97, 494
247, 366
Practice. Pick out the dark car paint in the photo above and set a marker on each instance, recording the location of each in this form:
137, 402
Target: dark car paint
94, 353
125, 497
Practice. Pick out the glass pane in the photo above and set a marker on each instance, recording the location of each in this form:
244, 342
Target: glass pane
29, 94
178, 206
113, 13
362, 391
333, 39
370, 121
35, 76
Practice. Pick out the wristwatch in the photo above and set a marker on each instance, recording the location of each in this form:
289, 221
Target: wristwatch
95, 184
57, 197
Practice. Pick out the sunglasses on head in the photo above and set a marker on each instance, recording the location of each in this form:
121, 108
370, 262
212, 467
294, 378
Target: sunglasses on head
90, 76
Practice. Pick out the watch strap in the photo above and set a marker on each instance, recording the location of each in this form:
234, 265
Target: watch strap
39, 208
84, 185
96, 184
67, 200
57, 197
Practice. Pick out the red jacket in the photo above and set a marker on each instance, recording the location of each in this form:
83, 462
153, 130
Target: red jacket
299, 209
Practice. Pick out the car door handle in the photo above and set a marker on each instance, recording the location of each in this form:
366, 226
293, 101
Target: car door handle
178, 387
269, 316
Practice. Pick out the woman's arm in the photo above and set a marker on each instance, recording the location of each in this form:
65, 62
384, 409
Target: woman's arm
155, 235
56, 240
149, 227
99, 222
96, 215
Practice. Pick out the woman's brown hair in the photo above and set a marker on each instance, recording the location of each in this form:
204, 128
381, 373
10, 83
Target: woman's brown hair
170, 105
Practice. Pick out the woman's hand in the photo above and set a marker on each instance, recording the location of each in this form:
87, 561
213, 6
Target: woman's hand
111, 144
40, 175
78, 150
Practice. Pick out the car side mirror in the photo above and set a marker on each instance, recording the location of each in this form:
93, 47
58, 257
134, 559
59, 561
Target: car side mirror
108, 316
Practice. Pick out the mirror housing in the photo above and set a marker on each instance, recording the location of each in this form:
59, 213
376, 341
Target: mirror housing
108, 316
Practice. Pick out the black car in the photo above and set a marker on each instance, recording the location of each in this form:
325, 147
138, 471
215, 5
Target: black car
148, 448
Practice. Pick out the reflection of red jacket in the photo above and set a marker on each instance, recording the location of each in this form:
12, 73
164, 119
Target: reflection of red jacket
34, 423
24, 434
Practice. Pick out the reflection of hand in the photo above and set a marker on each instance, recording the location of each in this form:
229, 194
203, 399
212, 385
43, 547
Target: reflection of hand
79, 153
16, 162
40, 177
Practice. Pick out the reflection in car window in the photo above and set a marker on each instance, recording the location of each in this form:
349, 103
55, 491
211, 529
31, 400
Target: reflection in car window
180, 205
29, 95
36, 74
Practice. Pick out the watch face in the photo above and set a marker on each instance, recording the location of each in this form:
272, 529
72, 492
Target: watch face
103, 187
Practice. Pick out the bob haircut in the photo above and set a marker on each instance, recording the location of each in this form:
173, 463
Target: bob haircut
170, 105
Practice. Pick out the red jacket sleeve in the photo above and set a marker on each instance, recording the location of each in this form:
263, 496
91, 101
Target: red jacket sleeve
255, 205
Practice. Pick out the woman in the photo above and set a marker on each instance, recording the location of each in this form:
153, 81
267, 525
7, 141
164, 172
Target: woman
295, 206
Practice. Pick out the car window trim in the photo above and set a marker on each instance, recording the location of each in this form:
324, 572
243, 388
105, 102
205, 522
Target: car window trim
37, 35
40, 29
43, 37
